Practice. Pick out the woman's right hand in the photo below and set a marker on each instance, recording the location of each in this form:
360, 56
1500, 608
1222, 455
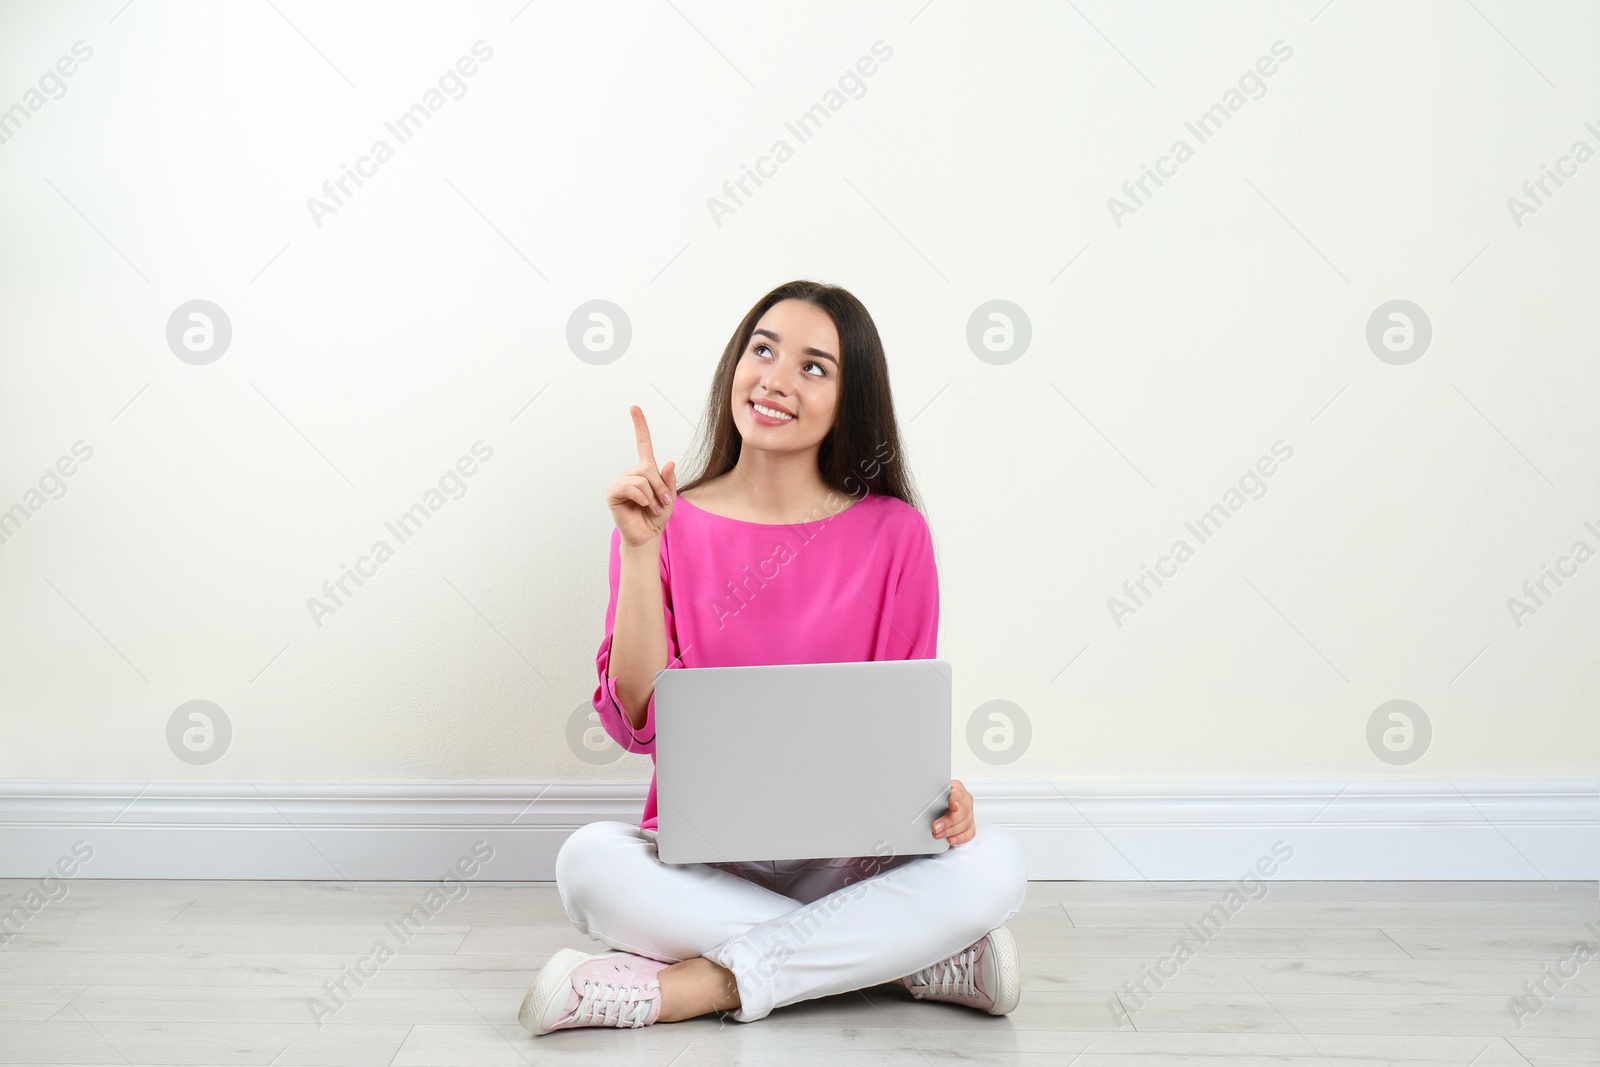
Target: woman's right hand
641, 499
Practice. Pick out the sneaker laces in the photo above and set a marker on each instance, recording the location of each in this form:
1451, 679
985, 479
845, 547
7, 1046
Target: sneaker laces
612, 1003
954, 976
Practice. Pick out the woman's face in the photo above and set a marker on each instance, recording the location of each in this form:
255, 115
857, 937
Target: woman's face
791, 364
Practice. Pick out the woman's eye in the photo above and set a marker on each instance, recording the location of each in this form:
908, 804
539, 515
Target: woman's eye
759, 348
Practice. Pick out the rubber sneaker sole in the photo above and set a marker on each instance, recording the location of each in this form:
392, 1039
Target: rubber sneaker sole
555, 980
1008, 971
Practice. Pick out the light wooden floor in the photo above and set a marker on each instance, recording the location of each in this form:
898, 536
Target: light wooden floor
1312, 974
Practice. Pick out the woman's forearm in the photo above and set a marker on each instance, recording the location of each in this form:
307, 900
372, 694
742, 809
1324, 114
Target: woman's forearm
639, 631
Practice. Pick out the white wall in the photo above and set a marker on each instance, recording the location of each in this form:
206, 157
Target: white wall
1169, 353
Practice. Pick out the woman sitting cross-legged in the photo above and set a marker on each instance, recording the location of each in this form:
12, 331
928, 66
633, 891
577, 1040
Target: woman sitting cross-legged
803, 471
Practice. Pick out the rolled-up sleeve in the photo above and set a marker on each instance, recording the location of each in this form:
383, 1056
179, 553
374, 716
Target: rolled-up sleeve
606, 704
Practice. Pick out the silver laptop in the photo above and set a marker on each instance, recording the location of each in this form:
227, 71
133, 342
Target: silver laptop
802, 760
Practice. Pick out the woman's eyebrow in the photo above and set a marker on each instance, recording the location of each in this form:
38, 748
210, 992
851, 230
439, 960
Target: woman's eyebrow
819, 353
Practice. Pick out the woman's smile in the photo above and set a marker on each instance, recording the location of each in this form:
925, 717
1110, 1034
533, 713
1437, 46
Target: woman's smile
763, 419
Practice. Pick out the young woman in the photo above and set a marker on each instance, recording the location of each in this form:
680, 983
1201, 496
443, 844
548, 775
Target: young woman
800, 542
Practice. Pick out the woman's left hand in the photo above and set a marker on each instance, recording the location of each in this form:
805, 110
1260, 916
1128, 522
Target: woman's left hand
955, 825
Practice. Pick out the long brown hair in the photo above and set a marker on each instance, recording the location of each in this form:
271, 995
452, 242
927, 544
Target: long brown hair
861, 453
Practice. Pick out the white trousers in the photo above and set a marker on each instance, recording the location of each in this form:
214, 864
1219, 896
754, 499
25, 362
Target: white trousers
790, 930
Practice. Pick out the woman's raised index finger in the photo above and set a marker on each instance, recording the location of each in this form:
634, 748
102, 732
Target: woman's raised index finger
642, 434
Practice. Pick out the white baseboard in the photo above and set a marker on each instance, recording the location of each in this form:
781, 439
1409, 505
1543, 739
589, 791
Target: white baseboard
1501, 829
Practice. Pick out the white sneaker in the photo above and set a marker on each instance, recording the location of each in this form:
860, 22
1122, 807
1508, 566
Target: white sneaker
985, 975
577, 989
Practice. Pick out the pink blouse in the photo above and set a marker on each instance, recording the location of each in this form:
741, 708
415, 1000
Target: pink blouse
856, 586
